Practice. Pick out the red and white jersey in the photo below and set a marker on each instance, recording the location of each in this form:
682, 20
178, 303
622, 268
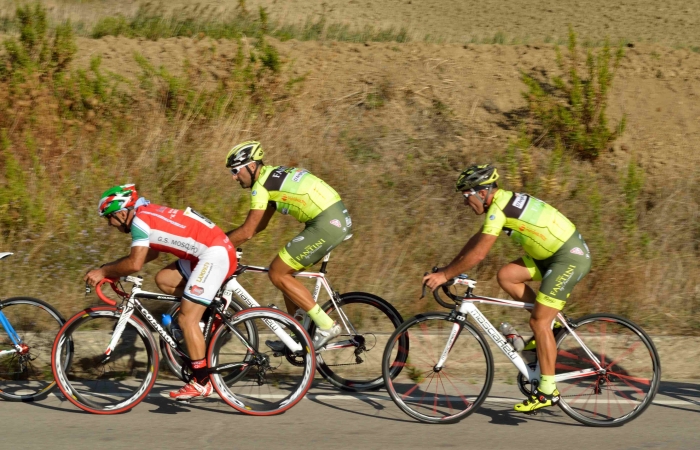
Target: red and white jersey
186, 234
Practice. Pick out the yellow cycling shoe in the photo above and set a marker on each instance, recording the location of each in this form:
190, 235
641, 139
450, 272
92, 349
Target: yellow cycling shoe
537, 401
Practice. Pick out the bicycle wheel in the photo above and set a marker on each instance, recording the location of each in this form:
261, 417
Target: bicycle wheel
173, 361
356, 364
257, 381
26, 375
95, 383
446, 395
631, 375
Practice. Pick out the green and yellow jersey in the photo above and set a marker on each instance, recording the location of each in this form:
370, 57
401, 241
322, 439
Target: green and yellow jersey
538, 227
292, 191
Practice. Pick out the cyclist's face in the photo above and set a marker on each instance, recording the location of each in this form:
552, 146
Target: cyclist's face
118, 220
474, 201
243, 177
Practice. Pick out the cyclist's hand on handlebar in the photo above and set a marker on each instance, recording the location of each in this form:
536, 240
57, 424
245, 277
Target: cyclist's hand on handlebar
434, 280
94, 276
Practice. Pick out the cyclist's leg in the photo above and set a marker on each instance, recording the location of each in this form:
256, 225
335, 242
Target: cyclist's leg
172, 278
512, 278
565, 269
211, 270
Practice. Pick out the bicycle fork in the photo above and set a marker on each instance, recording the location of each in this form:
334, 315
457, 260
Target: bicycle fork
14, 337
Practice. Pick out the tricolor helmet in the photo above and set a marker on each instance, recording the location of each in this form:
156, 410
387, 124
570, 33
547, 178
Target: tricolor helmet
477, 177
117, 199
244, 153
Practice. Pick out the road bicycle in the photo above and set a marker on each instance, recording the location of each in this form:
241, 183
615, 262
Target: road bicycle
115, 355
27, 330
348, 362
607, 369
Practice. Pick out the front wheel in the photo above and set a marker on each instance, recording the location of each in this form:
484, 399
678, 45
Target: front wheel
353, 362
624, 368
252, 378
434, 394
94, 381
28, 327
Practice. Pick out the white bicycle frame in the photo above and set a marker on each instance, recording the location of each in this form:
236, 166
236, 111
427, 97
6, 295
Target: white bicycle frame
235, 288
132, 303
468, 307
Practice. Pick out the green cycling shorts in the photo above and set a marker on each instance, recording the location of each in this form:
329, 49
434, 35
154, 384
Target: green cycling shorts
560, 272
321, 235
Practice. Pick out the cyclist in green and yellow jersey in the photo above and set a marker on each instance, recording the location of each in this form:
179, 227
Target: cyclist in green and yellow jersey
556, 254
307, 198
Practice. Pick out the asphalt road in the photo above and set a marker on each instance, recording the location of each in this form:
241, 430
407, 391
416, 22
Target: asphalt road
330, 419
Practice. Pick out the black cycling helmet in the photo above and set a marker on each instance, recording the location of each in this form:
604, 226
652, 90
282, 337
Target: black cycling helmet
477, 177
244, 153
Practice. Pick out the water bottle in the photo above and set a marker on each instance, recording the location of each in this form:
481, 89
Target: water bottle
174, 328
512, 336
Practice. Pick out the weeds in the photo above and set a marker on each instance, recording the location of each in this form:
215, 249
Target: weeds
572, 109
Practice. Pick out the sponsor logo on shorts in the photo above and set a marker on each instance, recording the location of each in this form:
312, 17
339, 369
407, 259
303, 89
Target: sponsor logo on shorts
492, 217
336, 223
562, 280
577, 251
298, 239
204, 273
311, 249
547, 274
284, 211
348, 222
519, 201
254, 193
196, 290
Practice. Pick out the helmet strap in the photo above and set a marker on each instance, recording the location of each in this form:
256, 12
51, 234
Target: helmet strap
488, 193
252, 174
127, 227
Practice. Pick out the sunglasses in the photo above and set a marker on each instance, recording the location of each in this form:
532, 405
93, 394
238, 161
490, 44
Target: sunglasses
236, 170
469, 193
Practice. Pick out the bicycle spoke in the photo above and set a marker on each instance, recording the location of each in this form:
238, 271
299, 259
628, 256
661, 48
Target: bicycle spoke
630, 379
433, 394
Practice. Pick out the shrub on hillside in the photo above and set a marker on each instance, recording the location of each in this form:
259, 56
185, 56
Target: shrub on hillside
572, 108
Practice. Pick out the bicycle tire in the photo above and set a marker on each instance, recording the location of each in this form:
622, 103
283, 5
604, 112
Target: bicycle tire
27, 377
339, 367
100, 388
173, 362
631, 379
474, 366
262, 386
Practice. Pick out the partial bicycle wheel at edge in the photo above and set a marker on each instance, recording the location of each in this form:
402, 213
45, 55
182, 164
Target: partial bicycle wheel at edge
454, 391
258, 381
26, 375
631, 375
94, 382
358, 367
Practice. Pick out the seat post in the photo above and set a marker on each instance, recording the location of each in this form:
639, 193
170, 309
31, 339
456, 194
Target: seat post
325, 262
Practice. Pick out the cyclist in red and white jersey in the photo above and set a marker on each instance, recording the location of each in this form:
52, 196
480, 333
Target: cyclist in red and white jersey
206, 255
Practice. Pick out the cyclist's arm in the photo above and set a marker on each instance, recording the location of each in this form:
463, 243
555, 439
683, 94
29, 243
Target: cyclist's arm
473, 252
250, 227
265, 219
123, 266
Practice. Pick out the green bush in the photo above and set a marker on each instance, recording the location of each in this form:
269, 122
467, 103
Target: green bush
572, 108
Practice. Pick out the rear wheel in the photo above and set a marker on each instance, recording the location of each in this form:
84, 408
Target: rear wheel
98, 383
252, 378
443, 395
357, 366
25, 372
630, 375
